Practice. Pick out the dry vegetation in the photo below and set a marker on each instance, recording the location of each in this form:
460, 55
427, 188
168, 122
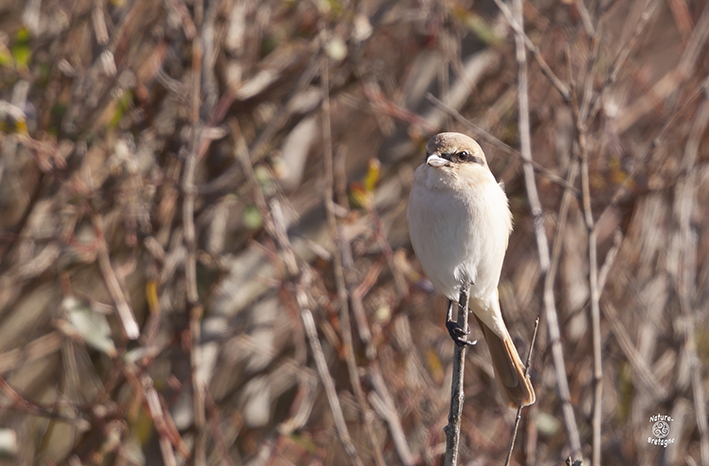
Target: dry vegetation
204, 255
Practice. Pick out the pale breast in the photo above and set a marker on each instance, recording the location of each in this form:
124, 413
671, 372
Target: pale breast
459, 233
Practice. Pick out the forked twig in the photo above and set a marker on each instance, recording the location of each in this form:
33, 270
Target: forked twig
520, 407
593, 285
516, 25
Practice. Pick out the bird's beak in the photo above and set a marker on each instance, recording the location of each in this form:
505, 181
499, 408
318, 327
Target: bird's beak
436, 161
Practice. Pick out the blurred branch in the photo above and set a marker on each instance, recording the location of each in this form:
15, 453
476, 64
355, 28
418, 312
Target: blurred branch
125, 313
580, 116
643, 371
169, 437
539, 230
305, 277
217, 429
342, 248
34, 350
585, 18
685, 193
518, 26
264, 141
593, 283
679, 109
21, 404
387, 409
623, 55
194, 307
609, 260
275, 226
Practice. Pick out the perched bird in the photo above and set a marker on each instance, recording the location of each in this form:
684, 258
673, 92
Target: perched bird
460, 223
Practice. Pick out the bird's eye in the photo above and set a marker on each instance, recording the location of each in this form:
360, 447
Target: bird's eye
463, 155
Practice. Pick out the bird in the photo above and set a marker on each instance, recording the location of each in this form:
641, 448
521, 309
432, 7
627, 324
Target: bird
459, 225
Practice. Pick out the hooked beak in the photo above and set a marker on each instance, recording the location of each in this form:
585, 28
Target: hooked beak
436, 161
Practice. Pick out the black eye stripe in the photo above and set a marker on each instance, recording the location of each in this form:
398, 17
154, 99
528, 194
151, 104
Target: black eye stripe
465, 156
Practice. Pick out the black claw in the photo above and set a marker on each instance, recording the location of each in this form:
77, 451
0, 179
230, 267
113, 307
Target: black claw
458, 334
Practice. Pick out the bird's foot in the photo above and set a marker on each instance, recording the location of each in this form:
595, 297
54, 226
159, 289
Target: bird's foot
458, 334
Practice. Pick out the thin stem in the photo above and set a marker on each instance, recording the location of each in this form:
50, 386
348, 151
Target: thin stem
452, 430
342, 251
539, 230
520, 407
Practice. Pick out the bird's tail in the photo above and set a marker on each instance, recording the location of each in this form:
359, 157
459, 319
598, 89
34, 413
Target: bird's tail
509, 368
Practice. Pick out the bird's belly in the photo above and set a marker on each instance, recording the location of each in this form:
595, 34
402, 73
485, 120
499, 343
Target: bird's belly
444, 233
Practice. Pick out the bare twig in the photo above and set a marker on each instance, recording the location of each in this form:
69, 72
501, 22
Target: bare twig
518, 418
595, 297
517, 25
526, 143
217, 429
655, 142
311, 331
342, 248
542, 244
642, 369
130, 326
452, 430
190, 191
609, 260
387, 409
685, 279
326, 378
21, 404
623, 55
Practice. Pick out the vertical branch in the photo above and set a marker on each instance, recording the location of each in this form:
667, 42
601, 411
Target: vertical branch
452, 430
537, 212
595, 308
189, 190
526, 144
580, 118
553, 318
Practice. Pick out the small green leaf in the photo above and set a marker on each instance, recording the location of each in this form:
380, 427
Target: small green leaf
21, 52
252, 218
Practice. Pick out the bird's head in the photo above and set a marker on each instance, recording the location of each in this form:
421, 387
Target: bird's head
454, 151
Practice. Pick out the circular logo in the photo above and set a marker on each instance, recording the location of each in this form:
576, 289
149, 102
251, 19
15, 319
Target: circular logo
660, 429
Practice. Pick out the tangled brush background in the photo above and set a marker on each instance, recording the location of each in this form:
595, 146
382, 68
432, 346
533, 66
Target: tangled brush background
204, 256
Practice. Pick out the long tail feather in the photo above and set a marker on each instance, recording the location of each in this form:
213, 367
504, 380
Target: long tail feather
509, 369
